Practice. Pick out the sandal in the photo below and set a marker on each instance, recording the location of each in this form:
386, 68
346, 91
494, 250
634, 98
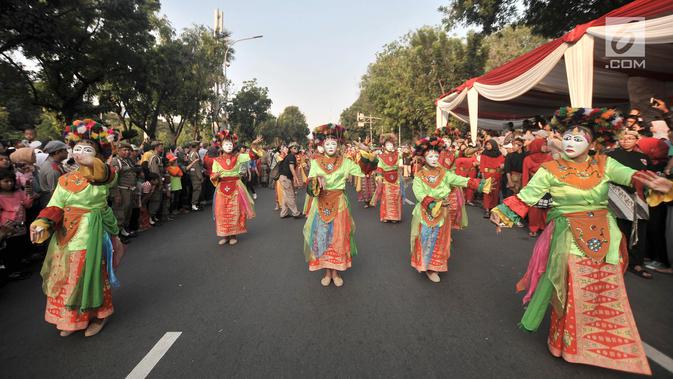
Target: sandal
642, 272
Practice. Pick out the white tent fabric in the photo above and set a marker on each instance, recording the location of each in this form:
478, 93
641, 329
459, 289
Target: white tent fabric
521, 84
579, 62
657, 31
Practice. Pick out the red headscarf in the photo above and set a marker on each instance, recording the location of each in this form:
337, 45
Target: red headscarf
535, 158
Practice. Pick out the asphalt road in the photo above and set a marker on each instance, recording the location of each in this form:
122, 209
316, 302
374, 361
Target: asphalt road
254, 310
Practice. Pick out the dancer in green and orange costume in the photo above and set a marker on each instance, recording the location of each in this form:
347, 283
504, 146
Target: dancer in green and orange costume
578, 261
329, 242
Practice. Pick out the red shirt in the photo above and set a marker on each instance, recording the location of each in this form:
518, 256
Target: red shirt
465, 166
208, 165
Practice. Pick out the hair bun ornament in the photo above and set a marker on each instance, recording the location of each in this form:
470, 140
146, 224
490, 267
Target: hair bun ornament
322, 132
227, 135
426, 144
387, 137
88, 129
604, 123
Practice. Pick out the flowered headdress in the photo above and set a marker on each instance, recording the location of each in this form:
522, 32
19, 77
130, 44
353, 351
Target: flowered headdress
387, 137
322, 132
89, 129
604, 123
426, 144
227, 135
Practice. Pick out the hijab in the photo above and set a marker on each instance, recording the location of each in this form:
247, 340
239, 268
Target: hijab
494, 152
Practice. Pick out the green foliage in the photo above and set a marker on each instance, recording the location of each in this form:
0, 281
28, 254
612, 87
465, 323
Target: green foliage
15, 98
554, 18
489, 15
408, 75
292, 125
269, 130
548, 18
82, 58
249, 107
508, 44
75, 45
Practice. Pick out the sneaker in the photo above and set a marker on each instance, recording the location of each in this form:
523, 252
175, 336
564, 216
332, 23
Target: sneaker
123, 232
254, 196
654, 265
152, 222
195, 208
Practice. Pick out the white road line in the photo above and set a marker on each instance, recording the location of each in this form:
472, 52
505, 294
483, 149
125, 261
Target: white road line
150, 360
659, 357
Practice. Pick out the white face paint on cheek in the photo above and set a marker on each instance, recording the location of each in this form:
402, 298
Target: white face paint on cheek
432, 158
574, 145
330, 147
389, 146
228, 146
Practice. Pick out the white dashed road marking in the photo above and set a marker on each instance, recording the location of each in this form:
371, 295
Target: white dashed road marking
150, 360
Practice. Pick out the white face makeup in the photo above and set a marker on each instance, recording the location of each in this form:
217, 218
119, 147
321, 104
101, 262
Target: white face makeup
321, 149
83, 154
575, 144
227, 146
432, 158
331, 146
389, 146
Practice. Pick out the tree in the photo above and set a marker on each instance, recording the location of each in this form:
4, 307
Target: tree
292, 125
269, 130
75, 45
249, 107
15, 98
508, 44
547, 18
489, 15
197, 70
408, 75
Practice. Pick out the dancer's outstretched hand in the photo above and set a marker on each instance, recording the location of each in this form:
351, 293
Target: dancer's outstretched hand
653, 181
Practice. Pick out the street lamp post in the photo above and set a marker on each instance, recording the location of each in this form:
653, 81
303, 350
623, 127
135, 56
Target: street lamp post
226, 56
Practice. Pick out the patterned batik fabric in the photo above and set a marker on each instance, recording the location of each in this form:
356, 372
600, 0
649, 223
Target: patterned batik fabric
367, 190
328, 240
597, 327
391, 202
431, 247
66, 268
232, 208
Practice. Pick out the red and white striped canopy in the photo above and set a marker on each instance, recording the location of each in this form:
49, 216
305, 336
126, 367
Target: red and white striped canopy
575, 69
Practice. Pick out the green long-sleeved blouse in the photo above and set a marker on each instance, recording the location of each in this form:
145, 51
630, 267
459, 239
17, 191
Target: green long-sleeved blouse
337, 179
569, 199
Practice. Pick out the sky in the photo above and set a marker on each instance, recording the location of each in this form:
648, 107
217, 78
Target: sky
313, 53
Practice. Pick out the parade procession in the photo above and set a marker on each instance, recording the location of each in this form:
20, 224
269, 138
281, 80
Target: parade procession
491, 196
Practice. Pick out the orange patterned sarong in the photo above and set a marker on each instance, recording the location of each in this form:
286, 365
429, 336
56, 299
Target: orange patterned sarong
230, 217
440, 255
598, 327
338, 253
391, 202
63, 283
